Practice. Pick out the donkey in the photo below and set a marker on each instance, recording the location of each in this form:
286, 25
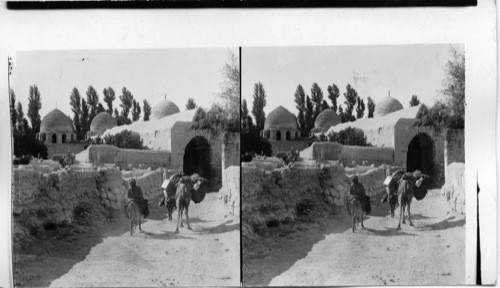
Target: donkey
135, 216
356, 210
407, 184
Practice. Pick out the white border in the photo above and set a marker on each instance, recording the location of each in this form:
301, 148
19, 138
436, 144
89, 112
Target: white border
119, 29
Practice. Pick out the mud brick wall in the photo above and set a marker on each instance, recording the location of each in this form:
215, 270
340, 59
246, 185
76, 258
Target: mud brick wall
125, 157
454, 188
150, 183
41, 199
336, 151
229, 194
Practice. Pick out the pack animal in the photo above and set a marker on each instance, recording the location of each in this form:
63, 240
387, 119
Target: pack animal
135, 216
183, 198
407, 185
357, 212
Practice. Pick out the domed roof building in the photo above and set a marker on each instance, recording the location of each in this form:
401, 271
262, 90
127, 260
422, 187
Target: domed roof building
386, 106
164, 109
326, 119
56, 127
280, 125
101, 123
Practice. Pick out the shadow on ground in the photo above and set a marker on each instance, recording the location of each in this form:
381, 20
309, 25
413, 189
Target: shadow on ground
447, 224
60, 249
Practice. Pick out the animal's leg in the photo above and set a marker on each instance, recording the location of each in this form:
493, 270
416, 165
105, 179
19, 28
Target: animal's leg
187, 218
353, 223
409, 214
404, 222
362, 221
179, 215
181, 210
400, 215
139, 220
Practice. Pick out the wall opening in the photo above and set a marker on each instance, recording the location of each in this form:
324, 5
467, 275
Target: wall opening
197, 157
420, 155
63, 138
54, 138
267, 134
288, 135
278, 135
43, 137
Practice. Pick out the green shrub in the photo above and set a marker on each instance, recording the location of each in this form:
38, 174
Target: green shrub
349, 136
125, 139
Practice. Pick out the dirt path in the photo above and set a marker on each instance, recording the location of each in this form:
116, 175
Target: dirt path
328, 253
207, 255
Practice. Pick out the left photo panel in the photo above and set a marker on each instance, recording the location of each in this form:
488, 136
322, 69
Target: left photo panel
126, 167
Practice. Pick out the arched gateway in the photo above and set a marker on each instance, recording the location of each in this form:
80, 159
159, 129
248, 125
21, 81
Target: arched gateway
420, 155
197, 157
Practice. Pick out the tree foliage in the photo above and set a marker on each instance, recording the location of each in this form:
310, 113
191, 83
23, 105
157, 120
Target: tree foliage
25, 145
246, 120
333, 95
85, 119
371, 107
75, 101
414, 101
317, 100
190, 104
34, 106
109, 97
259, 102
300, 104
360, 108
309, 114
136, 110
125, 139
349, 136
13, 112
351, 96
92, 102
147, 110
450, 111
126, 104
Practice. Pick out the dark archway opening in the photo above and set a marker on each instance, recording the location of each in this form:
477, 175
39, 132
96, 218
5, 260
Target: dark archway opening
63, 138
288, 135
54, 138
420, 155
197, 157
278, 135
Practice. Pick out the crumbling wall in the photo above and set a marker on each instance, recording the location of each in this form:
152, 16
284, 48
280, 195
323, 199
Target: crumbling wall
271, 197
229, 194
62, 149
124, 158
42, 200
454, 188
373, 179
287, 146
454, 147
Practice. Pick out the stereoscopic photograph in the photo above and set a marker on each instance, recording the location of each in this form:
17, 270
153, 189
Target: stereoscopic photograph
353, 165
126, 167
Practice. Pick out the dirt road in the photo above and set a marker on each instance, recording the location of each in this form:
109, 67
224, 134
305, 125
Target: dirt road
207, 255
326, 252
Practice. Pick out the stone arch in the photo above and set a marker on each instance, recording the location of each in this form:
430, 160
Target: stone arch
63, 139
278, 135
197, 156
54, 138
288, 136
420, 155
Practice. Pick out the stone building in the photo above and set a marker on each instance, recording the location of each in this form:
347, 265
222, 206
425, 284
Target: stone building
99, 124
163, 109
281, 130
56, 128
325, 120
57, 133
415, 147
191, 150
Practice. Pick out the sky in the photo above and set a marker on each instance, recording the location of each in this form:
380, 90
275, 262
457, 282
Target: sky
373, 71
147, 74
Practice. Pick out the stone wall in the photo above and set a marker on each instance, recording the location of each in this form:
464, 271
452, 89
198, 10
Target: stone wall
62, 149
287, 146
124, 158
454, 188
229, 194
230, 153
41, 199
344, 153
454, 149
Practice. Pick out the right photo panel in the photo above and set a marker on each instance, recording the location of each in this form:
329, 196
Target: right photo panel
353, 165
